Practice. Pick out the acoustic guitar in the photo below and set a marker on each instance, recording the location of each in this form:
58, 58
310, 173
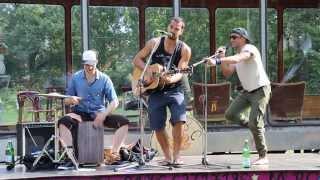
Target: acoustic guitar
153, 80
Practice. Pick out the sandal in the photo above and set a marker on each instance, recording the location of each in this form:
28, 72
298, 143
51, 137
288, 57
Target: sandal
111, 158
164, 163
177, 163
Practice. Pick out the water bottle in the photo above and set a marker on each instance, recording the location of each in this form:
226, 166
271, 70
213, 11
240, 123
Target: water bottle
10, 154
246, 155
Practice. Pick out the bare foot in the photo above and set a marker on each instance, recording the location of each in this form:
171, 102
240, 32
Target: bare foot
261, 161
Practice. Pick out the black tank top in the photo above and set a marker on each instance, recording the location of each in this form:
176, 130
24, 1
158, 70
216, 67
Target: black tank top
162, 57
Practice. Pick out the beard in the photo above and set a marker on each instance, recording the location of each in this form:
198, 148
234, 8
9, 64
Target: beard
173, 37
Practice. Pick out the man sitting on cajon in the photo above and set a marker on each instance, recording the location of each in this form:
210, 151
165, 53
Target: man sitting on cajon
89, 89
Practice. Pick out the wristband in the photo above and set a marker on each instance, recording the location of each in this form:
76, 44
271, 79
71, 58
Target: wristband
218, 61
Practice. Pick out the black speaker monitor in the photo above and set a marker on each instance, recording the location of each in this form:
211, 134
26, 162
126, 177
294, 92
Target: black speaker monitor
31, 137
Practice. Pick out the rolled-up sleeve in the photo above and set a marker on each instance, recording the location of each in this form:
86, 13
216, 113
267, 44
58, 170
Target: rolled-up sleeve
110, 91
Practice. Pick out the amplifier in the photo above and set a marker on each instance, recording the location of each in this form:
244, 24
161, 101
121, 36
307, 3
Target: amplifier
32, 136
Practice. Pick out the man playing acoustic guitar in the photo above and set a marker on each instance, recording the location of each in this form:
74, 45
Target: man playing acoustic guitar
167, 53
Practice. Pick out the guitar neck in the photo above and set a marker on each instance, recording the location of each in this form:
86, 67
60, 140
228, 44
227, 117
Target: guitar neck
183, 71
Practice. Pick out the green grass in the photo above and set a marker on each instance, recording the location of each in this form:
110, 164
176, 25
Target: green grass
8, 117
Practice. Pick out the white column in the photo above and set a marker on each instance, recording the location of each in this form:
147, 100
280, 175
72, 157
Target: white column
84, 24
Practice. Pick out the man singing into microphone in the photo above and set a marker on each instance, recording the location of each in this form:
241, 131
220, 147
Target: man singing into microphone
172, 53
256, 87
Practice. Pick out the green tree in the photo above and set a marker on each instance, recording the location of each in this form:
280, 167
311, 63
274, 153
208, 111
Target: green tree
35, 37
114, 34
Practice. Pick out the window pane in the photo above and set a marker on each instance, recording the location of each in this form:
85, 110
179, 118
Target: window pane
196, 33
114, 33
302, 47
35, 55
248, 18
272, 33
302, 54
156, 19
227, 19
197, 36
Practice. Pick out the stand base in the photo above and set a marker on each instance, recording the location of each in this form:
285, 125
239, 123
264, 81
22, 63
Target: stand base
66, 151
142, 165
205, 163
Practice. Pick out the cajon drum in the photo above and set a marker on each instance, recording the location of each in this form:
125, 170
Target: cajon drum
90, 143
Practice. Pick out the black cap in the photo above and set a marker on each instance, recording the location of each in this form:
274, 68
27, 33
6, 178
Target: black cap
242, 32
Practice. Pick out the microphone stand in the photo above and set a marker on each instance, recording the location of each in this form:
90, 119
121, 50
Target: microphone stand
142, 163
204, 60
204, 159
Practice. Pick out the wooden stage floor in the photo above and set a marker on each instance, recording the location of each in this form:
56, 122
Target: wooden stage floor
281, 166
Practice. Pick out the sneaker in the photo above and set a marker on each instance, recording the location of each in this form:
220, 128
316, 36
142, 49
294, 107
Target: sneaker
261, 161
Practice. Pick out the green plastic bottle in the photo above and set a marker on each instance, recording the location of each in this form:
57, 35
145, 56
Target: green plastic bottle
246, 155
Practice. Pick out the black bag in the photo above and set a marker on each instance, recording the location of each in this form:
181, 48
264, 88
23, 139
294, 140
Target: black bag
132, 105
133, 154
45, 163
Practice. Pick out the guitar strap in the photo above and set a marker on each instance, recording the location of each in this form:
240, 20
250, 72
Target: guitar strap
174, 54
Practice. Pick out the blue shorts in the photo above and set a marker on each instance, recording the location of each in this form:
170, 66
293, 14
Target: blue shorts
159, 101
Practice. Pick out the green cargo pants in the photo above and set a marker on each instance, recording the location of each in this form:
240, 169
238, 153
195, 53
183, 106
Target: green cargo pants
249, 109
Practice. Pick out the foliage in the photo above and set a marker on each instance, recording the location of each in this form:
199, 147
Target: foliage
35, 37
115, 36
8, 105
302, 45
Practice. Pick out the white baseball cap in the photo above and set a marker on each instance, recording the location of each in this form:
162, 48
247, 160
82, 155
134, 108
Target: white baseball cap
89, 57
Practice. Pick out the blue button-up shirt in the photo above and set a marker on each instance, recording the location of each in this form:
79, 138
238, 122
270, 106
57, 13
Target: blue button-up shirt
94, 95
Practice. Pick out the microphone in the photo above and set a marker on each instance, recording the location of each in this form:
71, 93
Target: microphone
169, 34
226, 47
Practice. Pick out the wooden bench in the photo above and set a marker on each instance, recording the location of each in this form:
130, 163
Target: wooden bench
218, 100
286, 102
311, 107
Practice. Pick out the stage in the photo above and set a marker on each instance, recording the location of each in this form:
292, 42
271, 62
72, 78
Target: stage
287, 166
